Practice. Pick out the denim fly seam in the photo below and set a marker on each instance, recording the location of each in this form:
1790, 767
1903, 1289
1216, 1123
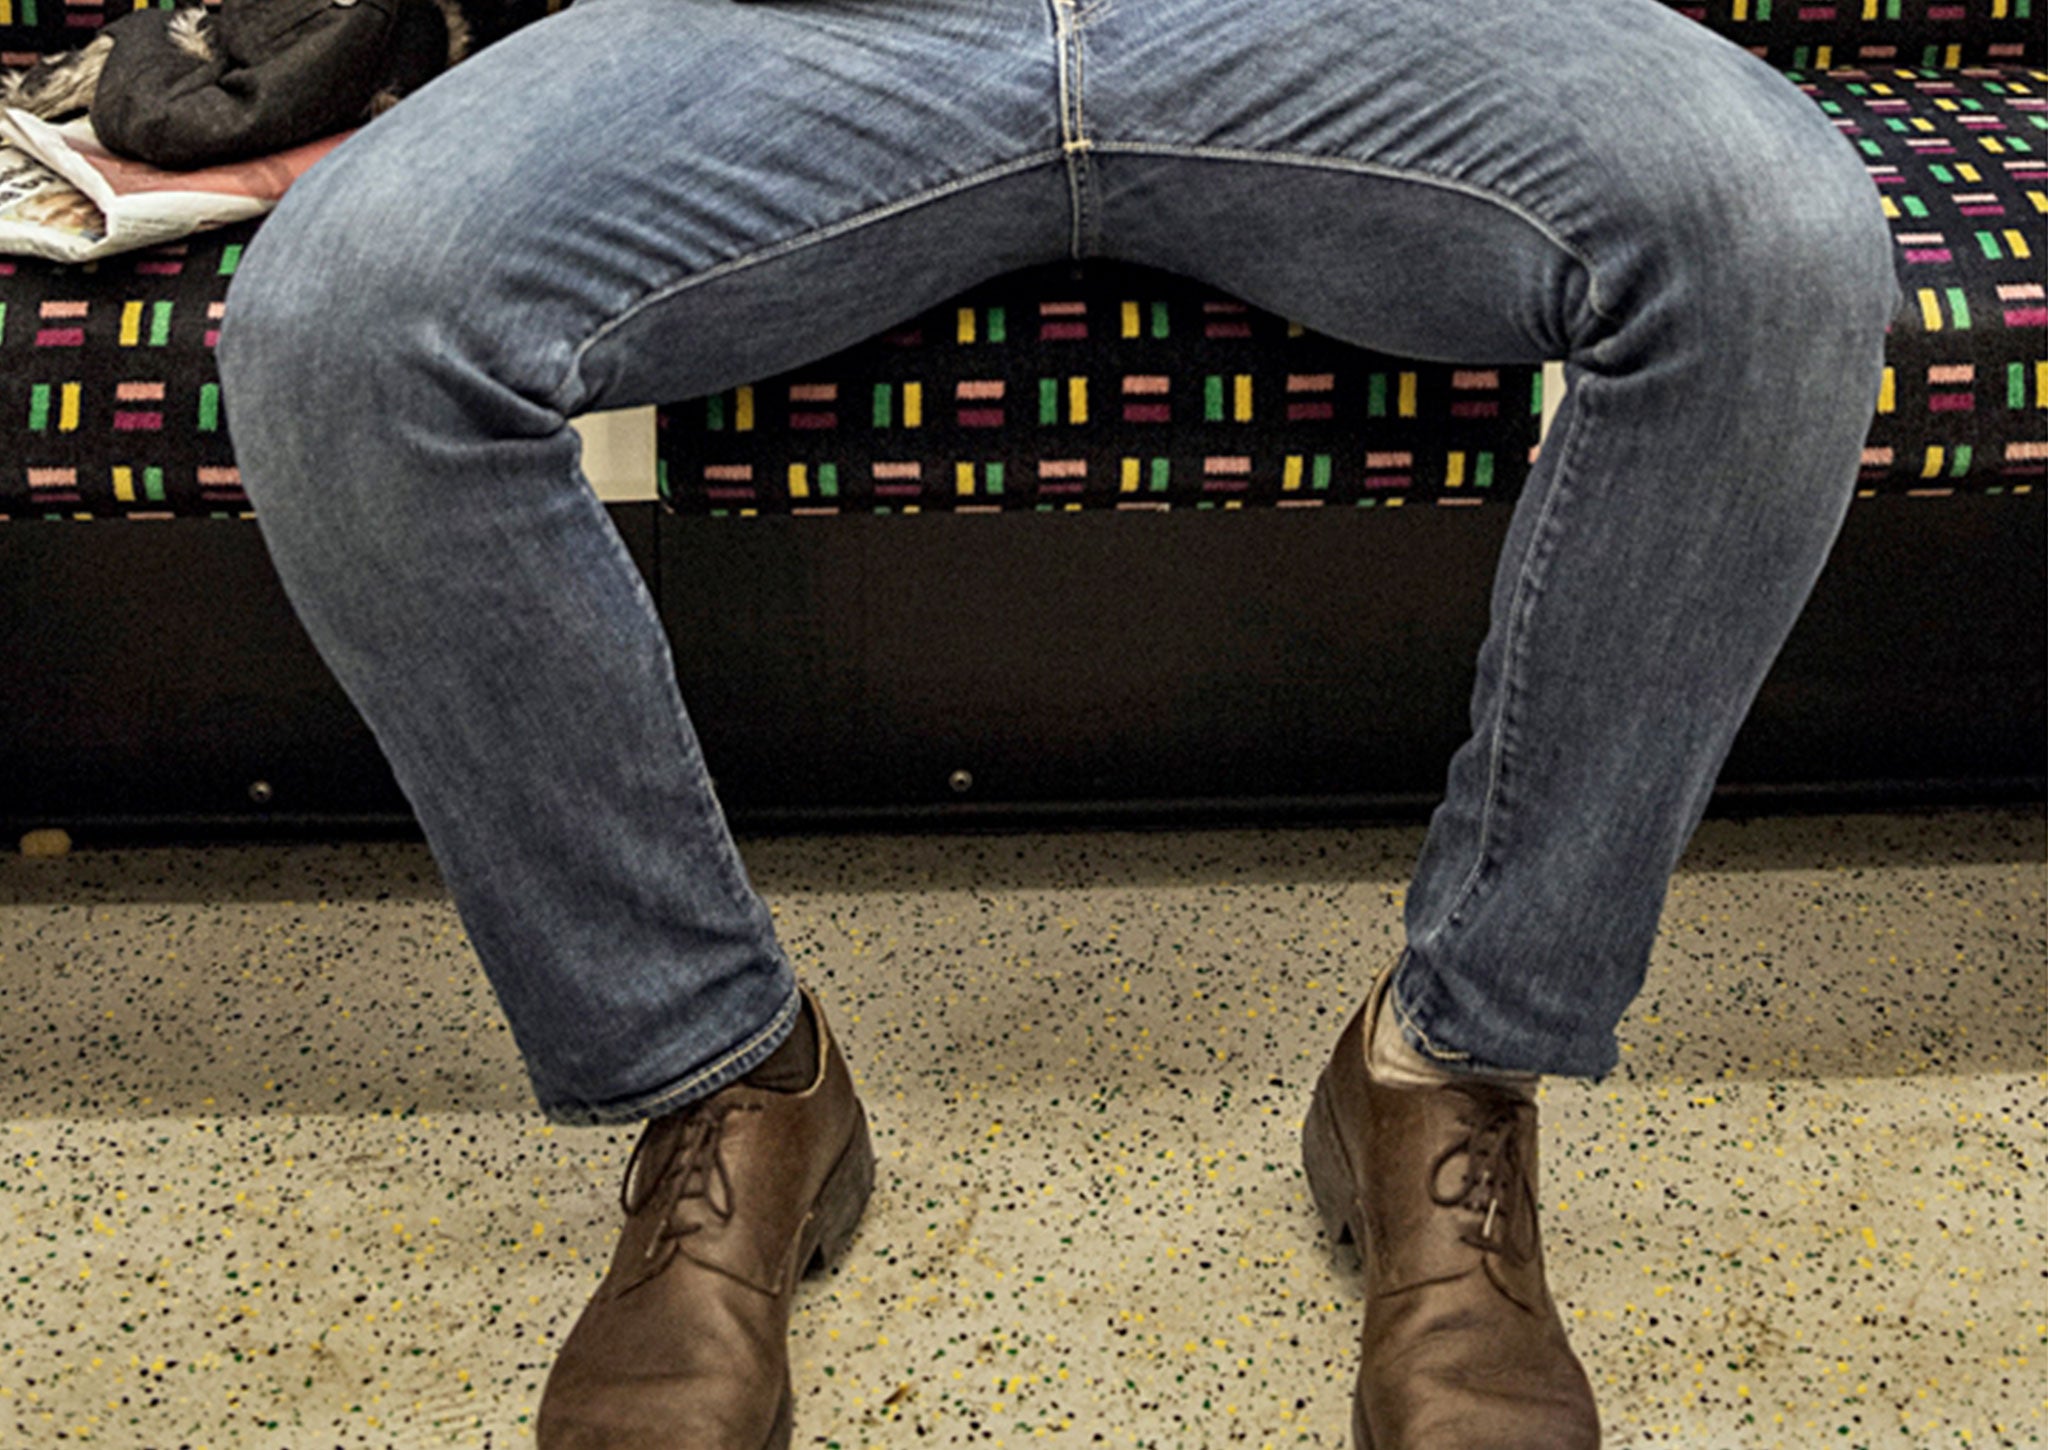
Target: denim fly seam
1070, 21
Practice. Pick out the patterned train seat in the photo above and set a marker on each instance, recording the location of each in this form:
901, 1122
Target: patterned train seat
1113, 387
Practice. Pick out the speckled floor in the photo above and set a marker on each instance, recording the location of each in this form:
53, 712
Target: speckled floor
272, 1175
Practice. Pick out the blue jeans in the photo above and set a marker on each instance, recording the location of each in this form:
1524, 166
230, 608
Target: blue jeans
641, 201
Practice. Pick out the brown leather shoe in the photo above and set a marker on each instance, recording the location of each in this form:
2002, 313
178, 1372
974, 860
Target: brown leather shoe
1463, 1348
685, 1346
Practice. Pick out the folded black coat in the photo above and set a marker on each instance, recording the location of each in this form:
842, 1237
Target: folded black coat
281, 72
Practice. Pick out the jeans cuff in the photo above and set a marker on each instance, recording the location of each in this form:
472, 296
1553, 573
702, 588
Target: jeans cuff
694, 1087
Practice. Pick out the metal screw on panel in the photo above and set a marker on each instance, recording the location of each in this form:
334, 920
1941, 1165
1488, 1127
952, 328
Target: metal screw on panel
260, 792
961, 781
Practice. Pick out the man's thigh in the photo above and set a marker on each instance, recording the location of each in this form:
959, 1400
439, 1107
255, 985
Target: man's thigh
642, 199
1352, 162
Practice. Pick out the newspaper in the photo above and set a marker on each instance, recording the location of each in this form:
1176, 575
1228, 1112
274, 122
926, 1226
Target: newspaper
66, 197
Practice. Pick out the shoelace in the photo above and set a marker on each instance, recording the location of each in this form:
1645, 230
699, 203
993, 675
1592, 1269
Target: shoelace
1495, 1179
695, 1170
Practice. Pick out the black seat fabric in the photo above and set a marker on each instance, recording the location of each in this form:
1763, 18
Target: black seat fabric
110, 405
1102, 385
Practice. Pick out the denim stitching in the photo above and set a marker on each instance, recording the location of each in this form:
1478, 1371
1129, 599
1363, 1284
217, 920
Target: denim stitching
1416, 1036
1512, 648
1375, 168
1074, 139
709, 810
572, 376
733, 1062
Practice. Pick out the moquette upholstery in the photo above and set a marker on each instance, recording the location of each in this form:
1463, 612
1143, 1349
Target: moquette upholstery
1087, 538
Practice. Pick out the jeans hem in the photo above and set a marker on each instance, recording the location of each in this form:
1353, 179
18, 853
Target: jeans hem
1460, 1063
695, 1087
1413, 1031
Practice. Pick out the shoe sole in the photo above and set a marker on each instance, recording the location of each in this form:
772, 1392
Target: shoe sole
1335, 1191
842, 1200
831, 1227
1330, 1182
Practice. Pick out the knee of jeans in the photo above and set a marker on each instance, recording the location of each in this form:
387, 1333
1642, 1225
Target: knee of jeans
300, 282
1806, 229
1740, 185
1824, 240
352, 301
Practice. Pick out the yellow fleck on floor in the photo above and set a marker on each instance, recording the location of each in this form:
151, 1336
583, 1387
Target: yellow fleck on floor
272, 1175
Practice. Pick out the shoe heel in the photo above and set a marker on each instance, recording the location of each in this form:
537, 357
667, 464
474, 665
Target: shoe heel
1329, 1174
844, 1198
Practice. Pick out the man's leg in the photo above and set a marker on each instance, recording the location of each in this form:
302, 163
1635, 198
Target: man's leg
1504, 181
634, 201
